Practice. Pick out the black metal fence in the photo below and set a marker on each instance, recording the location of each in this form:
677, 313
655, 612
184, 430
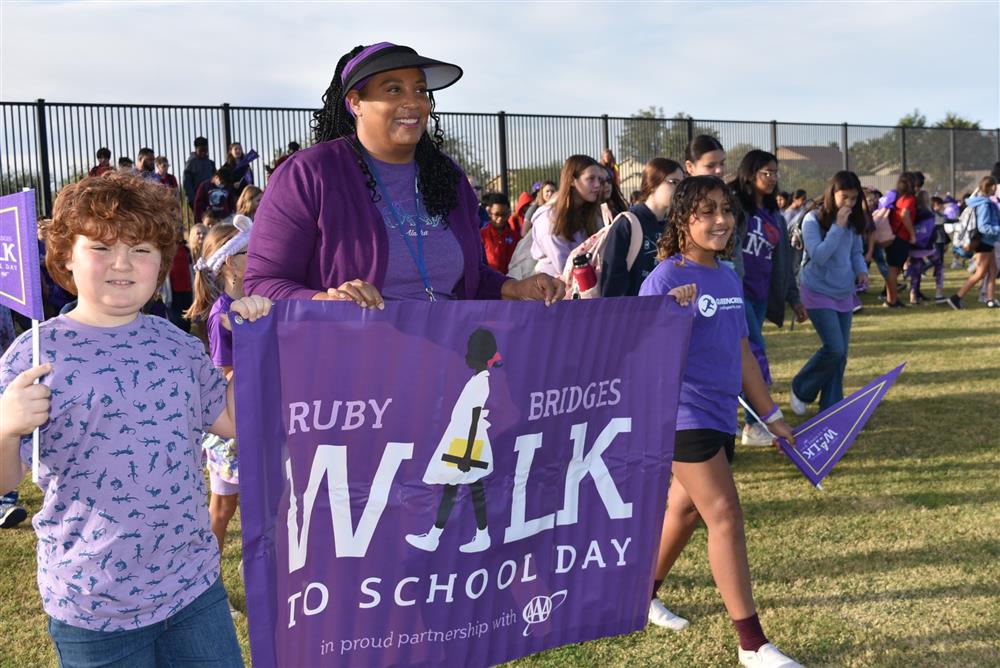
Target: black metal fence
45, 145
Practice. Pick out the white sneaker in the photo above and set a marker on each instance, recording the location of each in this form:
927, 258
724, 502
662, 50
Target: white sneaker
798, 406
479, 543
426, 541
756, 434
767, 656
660, 616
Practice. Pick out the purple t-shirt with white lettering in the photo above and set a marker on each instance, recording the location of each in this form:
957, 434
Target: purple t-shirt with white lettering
220, 339
124, 539
758, 250
714, 374
442, 254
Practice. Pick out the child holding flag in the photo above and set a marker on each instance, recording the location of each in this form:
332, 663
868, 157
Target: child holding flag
720, 364
128, 568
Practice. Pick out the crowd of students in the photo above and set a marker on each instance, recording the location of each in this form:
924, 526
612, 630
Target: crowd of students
741, 251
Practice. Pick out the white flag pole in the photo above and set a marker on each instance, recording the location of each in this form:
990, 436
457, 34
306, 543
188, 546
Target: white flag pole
36, 355
746, 406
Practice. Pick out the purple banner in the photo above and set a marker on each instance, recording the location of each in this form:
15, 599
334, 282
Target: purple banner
454, 483
821, 441
20, 273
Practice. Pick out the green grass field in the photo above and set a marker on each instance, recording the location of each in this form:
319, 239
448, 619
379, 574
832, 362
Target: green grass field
897, 563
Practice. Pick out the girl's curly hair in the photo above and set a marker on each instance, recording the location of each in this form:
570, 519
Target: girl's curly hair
109, 208
690, 193
438, 174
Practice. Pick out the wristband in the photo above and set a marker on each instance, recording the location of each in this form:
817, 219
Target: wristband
772, 415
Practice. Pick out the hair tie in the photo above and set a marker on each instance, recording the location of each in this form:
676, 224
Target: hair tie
495, 361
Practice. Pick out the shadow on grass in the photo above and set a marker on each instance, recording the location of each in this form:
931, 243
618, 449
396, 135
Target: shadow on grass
912, 594
828, 505
887, 560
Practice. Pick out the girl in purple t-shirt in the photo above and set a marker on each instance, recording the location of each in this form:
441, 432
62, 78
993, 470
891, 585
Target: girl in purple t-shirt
217, 284
719, 365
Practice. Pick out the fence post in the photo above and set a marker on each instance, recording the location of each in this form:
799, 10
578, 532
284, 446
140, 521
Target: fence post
502, 135
43, 156
227, 127
774, 138
690, 128
951, 147
606, 130
843, 145
902, 148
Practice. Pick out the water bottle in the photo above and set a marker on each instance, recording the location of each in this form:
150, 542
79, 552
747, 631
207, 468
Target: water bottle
583, 273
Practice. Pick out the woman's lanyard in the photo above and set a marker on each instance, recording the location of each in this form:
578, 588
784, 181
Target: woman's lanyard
418, 253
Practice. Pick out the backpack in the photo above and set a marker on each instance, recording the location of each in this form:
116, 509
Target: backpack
218, 201
594, 247
964, 230
923, 230
522, 264
884, 236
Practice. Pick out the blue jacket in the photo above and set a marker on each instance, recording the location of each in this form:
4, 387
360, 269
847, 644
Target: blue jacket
835, 258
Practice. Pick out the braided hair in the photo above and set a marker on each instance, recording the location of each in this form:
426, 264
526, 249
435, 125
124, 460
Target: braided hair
438, 174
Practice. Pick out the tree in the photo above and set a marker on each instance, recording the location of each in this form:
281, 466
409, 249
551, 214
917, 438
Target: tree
913, 120
648, 134
953, 120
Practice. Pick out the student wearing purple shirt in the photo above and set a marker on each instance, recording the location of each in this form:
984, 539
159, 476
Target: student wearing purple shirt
374, 210
834, 267
768, 276
128, 569
699, 231
218, 283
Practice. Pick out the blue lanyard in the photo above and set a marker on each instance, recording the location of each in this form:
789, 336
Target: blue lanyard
418, 254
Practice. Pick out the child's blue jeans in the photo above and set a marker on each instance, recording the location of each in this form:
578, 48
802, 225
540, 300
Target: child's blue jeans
199, 634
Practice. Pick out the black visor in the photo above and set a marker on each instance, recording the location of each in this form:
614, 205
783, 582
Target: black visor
438, 74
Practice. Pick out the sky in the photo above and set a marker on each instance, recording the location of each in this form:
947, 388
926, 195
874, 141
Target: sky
825, 62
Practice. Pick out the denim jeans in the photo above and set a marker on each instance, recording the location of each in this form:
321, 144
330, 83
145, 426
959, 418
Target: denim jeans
823, 374
755, 312
878, 255
199, 634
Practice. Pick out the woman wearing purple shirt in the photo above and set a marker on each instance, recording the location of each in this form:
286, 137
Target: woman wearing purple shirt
768, 279
374, 210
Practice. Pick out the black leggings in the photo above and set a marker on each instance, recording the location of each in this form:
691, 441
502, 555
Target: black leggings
448, 502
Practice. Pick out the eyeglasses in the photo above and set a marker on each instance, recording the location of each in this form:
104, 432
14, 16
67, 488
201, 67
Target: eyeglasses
768, 174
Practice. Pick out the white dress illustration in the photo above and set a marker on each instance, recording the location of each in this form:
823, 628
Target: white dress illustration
443, 468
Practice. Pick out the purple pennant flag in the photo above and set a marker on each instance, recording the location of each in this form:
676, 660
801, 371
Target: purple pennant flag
456, 483
20, 273
821, 441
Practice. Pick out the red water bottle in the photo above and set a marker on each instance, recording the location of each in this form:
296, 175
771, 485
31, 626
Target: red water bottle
583, 272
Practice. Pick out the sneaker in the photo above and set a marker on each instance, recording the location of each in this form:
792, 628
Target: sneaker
982, 298
11, 514
767, 656
660, 616
940, 299
756, 434
798, 406
234, 613
857, 308
955, 302
479, 543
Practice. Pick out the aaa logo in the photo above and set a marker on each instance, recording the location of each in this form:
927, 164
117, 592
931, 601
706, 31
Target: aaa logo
540, 608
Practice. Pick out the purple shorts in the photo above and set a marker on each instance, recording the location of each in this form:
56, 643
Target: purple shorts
220, 486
